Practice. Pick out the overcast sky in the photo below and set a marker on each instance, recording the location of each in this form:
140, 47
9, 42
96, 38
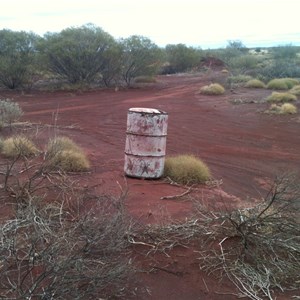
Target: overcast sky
204, 23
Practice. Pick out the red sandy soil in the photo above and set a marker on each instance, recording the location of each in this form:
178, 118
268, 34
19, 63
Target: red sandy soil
242, 146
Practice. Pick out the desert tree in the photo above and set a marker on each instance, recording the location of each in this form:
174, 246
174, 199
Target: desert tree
77, 54
140, 56
182, 58
17, 57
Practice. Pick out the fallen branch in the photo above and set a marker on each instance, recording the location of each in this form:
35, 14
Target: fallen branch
177, 196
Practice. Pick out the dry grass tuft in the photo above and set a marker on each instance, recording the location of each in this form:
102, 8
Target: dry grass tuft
186, 169
255, 83
213, 89
64, 154
281, 97
18, 146
288, 108
295, 90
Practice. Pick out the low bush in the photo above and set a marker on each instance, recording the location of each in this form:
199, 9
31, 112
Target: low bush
64, 154
282, 83
281, 97
212, 89
186, 169
145, 79
9, 112
288, 108
18, 146
295, 90
255, 83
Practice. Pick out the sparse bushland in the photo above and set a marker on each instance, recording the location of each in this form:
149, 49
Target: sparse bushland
281, 97
212, 89
186, 169
282, 83
64, 154
18, 146
71, 247
9, 112
255, 83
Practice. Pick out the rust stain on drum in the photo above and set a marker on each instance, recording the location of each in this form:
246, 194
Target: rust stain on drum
145, 146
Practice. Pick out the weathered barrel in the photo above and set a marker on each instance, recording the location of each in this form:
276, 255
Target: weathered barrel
145, 147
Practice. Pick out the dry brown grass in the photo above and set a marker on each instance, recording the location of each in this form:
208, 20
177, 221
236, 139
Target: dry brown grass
18, 146
186, 169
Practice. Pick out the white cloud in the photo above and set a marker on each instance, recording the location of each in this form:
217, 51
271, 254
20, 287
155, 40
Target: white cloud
164, 21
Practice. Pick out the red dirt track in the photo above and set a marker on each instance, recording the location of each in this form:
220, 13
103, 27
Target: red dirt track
242, 146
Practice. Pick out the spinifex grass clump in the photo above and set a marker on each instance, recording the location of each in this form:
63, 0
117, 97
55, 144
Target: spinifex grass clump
288, 108
281, 97
186, 169
255, 83
212, 89
282, 83
295, 90
18, 146
284, 109
64, 154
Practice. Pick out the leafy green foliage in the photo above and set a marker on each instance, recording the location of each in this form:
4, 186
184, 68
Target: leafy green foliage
17, 57
77, 54
140, 57
182, 58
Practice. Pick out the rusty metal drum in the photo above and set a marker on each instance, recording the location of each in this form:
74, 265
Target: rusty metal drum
145, 147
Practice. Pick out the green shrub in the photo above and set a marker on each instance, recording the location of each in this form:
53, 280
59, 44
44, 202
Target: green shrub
295, 90
18, 146
212, 89
9, 112
281, 97
186, 169
255, 83
64, 154
282, 83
